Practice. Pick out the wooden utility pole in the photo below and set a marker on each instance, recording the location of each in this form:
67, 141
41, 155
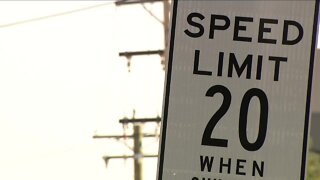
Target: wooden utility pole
166, 21
137, 150
138, 134
137, 137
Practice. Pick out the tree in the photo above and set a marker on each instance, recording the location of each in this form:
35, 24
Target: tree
313, 168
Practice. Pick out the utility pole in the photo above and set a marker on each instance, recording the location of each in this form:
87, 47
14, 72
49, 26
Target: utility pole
137, 150
138, 134
166, 19
137, 137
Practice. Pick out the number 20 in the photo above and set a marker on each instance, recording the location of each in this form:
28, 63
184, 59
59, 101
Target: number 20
243, 118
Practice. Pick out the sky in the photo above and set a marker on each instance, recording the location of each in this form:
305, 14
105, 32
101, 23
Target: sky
62, 82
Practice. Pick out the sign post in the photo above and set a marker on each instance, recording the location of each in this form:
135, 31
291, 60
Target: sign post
238, 88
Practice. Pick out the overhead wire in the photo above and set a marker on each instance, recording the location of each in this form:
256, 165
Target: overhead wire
21, 22
54, 15
151, 13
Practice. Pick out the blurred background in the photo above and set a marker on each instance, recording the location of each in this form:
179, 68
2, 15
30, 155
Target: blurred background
81, 88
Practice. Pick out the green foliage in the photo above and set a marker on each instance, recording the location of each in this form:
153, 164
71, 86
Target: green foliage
313, 171
313, 168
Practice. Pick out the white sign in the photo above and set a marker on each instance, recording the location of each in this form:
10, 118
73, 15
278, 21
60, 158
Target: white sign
238, 89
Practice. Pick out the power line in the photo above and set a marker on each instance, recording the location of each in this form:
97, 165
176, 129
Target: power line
131, 2
54, 15
151, 13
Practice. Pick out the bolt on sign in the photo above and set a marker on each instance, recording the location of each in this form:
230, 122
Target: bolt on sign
238, 88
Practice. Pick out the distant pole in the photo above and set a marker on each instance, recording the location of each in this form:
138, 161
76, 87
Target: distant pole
137, 137
166, 19
137, 149
138, 123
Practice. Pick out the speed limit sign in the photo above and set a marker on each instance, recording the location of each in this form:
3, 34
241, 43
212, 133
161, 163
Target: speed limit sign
238, 86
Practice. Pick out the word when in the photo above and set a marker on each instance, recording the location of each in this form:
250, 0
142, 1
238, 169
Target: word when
231, 166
